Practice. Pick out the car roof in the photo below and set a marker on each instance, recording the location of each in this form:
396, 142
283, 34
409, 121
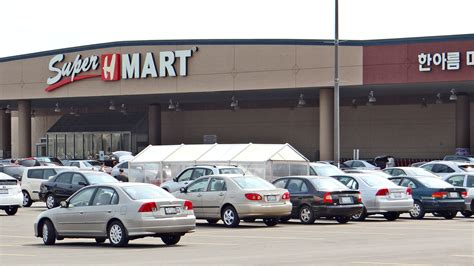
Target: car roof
307, 177
402, 167
451, 162
49, 167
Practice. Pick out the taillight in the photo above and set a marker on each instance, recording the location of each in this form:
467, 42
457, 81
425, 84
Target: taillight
464, 194
148, 207
188, 205
286, 196
359, 198
253, 196
382, 192
327, 198
439, 195
409, 191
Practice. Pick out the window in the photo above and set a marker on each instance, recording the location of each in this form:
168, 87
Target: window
349, 182
77, 178
198, 172
398, 172
376, 181
327, 170
388, 171
123, 165
432, 182
457, 180
396, 180
83, 198
281, 183
75, 164
104, 196
147, 192
198, 186
95, 177
441, 168
186, 176
47, 173
217, 184
295, 186
209, 172
408, 183
327, 184
35, 174
358, 164
252, 182
236, 171
470, 181
64, 178
428, 167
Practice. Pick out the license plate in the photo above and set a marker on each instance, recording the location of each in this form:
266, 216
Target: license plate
171, 210
3, 191
346, 200
271, 198
396, 195
453, 194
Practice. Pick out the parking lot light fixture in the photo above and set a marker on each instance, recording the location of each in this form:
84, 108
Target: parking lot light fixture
112, 106
354, 103
438, 99
234, 104
57, 109
171, 105
453, 96
301, 101
372, 98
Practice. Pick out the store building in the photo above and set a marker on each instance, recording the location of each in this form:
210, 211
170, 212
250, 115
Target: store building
86, 101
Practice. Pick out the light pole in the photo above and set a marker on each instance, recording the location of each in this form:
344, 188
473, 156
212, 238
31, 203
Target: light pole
337, 147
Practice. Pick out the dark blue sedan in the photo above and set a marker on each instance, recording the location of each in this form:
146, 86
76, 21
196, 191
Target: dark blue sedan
432, 195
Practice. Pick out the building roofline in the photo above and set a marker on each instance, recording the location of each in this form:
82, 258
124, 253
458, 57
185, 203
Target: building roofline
442, 38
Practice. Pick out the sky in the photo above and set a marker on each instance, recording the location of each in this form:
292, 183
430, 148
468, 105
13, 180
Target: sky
29, 26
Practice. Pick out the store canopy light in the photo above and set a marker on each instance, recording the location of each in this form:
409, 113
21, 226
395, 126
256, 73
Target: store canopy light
72, 111
372, 98
57, 109
438, 99
171, 106
354, 103
301, 101
112, 106
234, 104
453, 96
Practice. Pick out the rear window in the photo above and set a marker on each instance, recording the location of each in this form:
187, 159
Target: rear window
433, 182
377, 181
99, 178
328, 184
235, 170
421, 171
327, 170
94, 163
467, 167
147, 192
253, 183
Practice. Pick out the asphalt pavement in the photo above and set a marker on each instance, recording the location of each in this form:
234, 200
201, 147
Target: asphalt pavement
431, 241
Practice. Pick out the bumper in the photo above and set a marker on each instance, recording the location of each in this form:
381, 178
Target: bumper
338, 210
469, 204
263, 210
11, 200
180, 225
443, 205
36, 229
400, 206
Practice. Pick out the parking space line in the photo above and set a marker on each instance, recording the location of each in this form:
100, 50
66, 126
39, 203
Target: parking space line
18, 255
30, 237
466, 256
384, 263
264, 237
209, 243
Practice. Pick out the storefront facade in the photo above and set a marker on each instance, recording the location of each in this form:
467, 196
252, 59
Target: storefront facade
126, 95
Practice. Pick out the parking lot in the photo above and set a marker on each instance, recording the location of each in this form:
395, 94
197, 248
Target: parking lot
431, 241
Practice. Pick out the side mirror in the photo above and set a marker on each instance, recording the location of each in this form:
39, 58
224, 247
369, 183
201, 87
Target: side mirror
81, 183
183, 190
64, 204
175, 179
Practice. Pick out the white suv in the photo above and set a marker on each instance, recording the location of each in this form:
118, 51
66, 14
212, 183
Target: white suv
445, 168
32, 179
191, 173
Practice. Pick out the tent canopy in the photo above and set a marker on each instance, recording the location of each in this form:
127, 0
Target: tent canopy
219, 153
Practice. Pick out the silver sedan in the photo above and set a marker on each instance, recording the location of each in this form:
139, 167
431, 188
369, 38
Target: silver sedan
119, 212
235, 197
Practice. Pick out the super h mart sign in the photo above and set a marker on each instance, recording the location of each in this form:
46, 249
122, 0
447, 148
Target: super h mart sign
115, 67
447, 61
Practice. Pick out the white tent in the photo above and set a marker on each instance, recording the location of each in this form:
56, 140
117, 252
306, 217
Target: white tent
157, 164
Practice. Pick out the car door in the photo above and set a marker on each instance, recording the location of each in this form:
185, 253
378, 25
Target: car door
194, 193
71, 221
78, 182
415, 188
33, 182
213, 197
104, 206
185, 178
62, 185
299, 193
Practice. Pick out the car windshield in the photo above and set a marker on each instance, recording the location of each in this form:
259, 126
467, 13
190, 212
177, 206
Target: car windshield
235, 170
147, 192
432, 182
253, 183
377, 181
327, 170
328, 184
99, 178
467, 167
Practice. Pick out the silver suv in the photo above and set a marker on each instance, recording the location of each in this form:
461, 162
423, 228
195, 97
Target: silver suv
191, 173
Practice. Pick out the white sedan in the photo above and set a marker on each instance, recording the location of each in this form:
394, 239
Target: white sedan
11, 197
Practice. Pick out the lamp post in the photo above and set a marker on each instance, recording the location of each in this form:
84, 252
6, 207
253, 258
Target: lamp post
337, 147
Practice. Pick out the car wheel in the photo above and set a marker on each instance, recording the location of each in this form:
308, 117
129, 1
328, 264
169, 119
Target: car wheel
170, 240
118, 234
11, 210
307, 215
285, 219
360, 216
212, 221
49, 233
100, 240
466, 214
51, 201
449, 215
391, 216
343, 219
249, 220
230, 217
417, 212
26, 199
271, 221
